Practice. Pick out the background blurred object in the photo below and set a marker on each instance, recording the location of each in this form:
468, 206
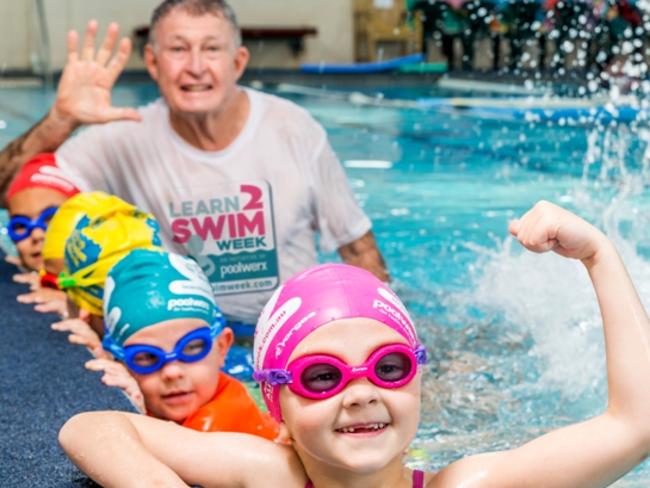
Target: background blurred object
468, 21
378, 24
20, 51
602, 40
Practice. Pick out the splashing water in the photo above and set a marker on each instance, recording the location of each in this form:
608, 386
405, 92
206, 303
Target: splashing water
532, 358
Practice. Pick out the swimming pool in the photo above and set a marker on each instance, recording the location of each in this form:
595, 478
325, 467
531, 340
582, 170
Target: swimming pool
515, 338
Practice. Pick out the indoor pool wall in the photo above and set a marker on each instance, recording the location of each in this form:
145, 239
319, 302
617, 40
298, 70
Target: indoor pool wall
515, 338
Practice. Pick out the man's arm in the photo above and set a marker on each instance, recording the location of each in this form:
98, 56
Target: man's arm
83, 97
45, 136
363, 252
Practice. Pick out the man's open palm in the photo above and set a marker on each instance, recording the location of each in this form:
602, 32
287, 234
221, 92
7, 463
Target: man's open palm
84, 92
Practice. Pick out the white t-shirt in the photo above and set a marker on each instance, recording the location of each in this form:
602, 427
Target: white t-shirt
248, 214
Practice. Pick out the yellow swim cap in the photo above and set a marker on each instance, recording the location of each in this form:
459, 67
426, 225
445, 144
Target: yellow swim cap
97, 244
90, 204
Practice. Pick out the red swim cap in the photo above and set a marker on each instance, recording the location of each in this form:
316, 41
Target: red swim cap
41, 171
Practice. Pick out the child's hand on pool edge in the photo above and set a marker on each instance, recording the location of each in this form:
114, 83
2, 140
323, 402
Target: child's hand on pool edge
30, 278
548, 227
117, 375
82, 334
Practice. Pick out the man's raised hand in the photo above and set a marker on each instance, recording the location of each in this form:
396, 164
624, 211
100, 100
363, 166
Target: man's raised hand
84, 92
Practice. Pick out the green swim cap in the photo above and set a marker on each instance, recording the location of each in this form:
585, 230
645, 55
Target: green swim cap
147, 287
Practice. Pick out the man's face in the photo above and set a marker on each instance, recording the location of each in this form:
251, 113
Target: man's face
195, 62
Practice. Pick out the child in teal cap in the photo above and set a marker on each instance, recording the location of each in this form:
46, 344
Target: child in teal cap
163, 324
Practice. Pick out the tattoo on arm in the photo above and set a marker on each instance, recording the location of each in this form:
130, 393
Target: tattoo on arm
11, 159
17, 152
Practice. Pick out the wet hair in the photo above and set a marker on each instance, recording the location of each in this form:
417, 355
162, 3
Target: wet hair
196, 8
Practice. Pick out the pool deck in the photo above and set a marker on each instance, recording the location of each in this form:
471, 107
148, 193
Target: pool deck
42, 384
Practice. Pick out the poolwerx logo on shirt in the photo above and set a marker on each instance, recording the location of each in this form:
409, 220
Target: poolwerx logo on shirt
229, 230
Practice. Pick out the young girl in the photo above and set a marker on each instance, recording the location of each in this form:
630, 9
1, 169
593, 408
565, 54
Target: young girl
337, 356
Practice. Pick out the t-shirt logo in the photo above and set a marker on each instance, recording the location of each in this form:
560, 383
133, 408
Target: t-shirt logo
231, 235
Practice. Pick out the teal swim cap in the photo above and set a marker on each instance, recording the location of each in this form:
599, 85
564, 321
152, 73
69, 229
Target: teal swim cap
147, 287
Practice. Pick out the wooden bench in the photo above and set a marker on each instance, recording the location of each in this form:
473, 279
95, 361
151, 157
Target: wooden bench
294, 36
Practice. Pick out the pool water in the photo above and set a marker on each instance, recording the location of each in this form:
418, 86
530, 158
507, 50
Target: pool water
515, 338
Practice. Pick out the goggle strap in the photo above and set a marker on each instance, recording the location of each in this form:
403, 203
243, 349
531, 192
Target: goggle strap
273, 376
421, 355
109, 345
74, 280
66, 281
217, 325
49, 280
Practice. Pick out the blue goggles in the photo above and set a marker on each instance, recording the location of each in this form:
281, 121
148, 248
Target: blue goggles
146, 359
21, 227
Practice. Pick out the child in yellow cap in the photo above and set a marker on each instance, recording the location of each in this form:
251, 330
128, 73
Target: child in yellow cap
48, 297
89, 204
95, 245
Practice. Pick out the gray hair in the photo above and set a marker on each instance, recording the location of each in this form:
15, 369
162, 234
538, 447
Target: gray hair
195, 8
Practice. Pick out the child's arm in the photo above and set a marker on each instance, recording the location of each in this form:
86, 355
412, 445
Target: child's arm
121, 449
596, 452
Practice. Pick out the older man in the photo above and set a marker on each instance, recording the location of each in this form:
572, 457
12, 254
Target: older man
240, 180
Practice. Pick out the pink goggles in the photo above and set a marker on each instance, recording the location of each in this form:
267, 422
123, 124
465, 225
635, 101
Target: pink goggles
320, 376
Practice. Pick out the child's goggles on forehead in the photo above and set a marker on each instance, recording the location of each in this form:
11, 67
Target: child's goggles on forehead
146, 359
320, 376
21, 227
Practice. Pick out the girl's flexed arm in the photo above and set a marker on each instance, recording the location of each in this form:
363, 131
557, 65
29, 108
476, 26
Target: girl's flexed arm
597, 452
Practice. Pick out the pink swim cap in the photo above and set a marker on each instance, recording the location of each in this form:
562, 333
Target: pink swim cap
312, 299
